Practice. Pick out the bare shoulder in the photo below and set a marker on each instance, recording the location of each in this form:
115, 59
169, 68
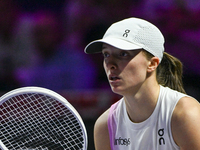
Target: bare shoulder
185, 123
101, 134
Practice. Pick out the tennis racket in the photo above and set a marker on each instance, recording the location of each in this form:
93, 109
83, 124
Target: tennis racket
40, 119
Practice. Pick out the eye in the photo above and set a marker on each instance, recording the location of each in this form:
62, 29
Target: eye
105, 54
123, 53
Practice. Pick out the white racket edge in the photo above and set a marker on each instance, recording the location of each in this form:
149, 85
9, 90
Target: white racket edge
2, 146
50, 93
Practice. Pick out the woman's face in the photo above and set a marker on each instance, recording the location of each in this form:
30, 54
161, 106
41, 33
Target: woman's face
126, 70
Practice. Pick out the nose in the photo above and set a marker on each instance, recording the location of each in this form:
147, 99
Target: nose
110, 63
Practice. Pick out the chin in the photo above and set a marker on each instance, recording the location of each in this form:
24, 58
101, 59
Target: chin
117, 90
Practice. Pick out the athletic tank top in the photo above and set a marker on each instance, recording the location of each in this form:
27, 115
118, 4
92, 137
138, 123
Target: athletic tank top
152, 134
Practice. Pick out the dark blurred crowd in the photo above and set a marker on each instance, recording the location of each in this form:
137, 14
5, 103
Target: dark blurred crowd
42, 42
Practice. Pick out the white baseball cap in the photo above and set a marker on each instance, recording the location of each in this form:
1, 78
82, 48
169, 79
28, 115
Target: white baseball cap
131, 34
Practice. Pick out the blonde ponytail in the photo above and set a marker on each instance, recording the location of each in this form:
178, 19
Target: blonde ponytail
169, 73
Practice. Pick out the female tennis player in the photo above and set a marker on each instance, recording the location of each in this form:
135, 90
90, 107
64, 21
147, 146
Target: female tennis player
155, 113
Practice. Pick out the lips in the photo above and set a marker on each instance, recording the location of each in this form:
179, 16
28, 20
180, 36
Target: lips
113, 77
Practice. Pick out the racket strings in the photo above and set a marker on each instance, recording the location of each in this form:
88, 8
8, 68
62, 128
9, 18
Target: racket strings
38, 121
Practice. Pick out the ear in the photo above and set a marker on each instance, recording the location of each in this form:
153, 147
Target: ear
153, 64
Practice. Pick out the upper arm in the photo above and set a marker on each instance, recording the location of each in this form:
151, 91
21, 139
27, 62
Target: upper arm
186, 124
101, 134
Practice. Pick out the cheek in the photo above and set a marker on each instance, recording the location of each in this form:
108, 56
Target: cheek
104, 66
136, 72
105, 69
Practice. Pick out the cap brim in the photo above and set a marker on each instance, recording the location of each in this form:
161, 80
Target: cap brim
96, 46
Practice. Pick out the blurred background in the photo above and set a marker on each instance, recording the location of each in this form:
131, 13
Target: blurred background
42, 43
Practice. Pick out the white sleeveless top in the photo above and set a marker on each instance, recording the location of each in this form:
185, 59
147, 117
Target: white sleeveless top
151, 134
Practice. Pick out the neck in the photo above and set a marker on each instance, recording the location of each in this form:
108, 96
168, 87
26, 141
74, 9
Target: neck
141, 105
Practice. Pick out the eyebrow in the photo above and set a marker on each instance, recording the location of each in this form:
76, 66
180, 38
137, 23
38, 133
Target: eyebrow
103, 47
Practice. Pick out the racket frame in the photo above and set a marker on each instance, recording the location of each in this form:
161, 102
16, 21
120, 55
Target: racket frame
52, 94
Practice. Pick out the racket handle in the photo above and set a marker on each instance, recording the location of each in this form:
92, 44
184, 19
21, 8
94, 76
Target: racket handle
2, 146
